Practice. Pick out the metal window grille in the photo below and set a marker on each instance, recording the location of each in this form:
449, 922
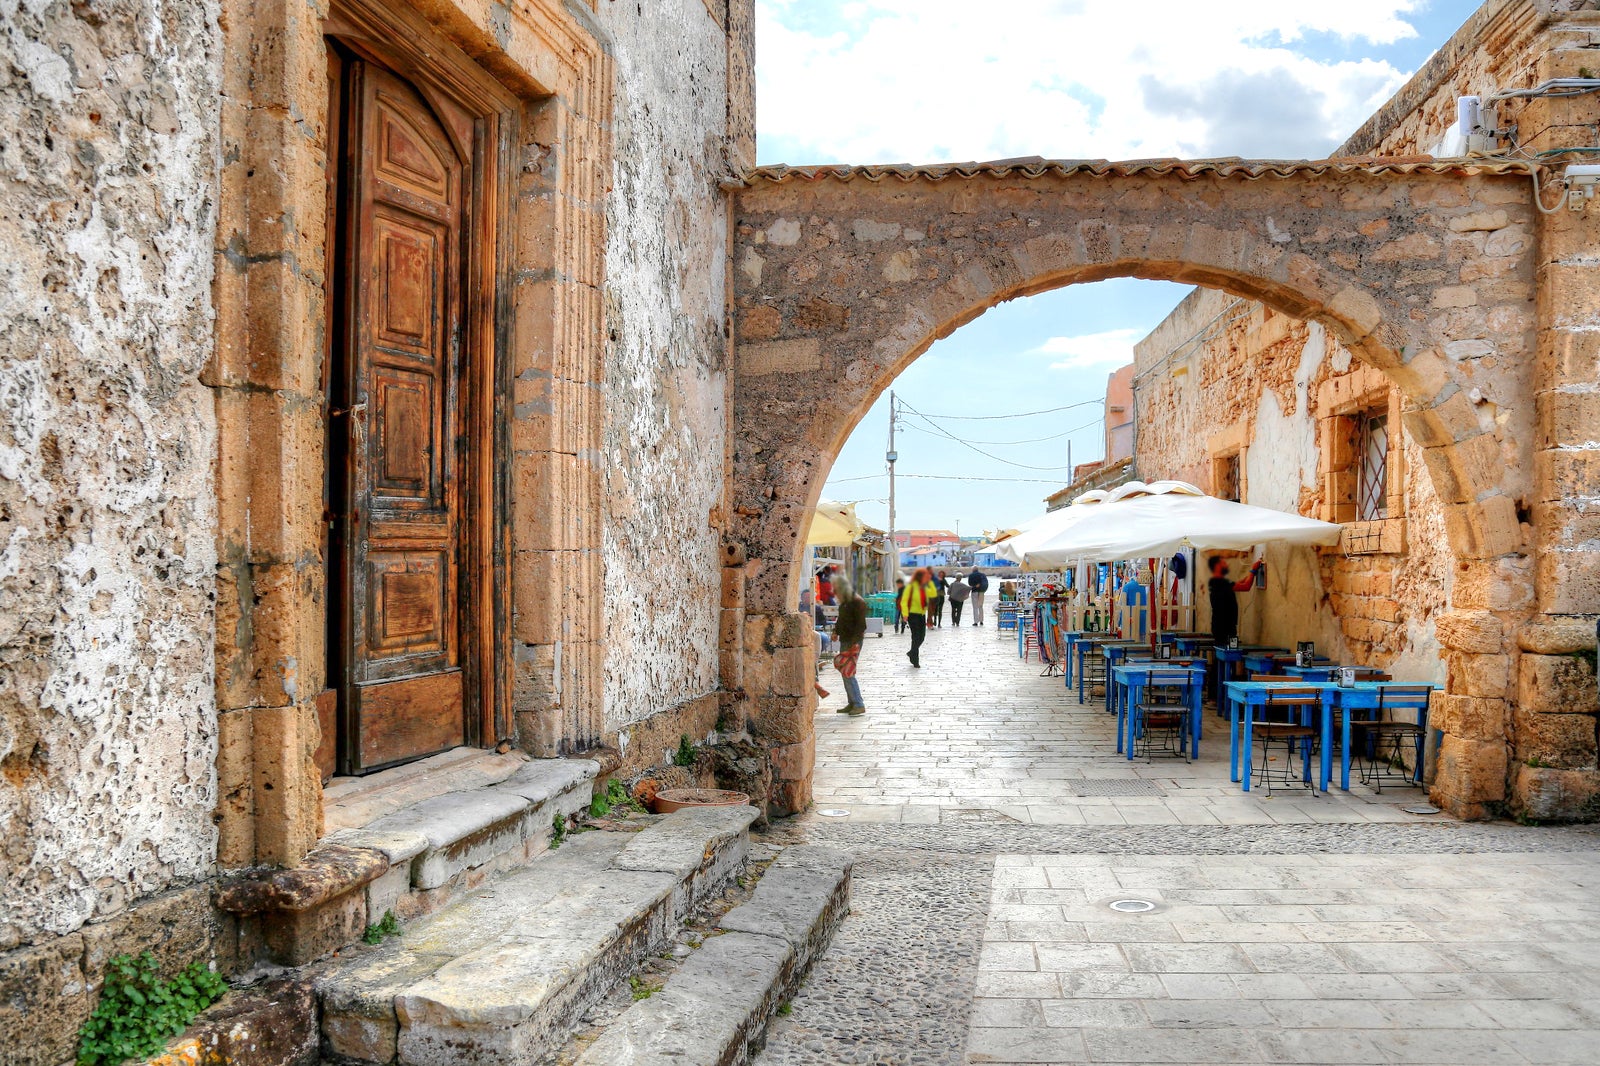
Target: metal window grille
1372, 495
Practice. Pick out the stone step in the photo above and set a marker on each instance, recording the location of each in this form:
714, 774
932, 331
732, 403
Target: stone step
445, 844
715, 1009
502, 974
352, 802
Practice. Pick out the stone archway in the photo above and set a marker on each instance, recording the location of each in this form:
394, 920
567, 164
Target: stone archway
1424, 269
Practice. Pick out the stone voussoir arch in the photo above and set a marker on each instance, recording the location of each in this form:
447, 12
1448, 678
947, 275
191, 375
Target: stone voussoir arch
844, 275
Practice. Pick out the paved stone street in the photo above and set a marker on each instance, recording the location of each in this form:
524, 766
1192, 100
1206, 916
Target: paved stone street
993, 825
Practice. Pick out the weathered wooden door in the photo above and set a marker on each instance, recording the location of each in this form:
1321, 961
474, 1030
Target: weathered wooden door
396, 405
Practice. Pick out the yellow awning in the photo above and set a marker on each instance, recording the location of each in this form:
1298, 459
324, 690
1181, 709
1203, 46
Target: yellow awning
834, 525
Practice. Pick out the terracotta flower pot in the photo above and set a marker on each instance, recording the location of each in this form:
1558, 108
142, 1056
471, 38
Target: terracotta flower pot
676, 799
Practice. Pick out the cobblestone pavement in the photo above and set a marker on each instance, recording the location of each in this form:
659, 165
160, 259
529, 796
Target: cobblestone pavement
1338, 929
977, 734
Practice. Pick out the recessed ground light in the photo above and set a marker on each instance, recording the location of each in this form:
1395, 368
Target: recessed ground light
1132, 906
834, 812
1421, 808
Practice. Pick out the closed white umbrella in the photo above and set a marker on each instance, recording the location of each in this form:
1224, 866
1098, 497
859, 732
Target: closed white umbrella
1141, 521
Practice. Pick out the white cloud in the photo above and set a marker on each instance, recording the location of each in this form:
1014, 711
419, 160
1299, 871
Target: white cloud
921, 80
1114, 347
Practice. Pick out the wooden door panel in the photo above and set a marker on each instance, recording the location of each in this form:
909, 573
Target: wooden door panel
398, 720
406, 155
405, 425
410, 610
412, 252
405, 685
327, 755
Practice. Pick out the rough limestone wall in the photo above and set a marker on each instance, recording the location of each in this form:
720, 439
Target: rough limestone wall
1498, 46
107, 719
665, 374
1242, 368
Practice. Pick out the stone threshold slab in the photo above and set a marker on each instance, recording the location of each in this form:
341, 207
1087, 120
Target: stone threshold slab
353, 802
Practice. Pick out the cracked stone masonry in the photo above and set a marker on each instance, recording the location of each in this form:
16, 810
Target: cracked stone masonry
410, 419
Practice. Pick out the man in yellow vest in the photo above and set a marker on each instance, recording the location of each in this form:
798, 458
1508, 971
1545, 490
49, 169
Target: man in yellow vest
916, 599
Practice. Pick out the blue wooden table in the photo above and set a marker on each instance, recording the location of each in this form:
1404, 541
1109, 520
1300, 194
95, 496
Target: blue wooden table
1191, 645
1273, 661
1091, 645
1125, 652
1115, 654
1364, 697
1245, 699
1069, 638
1226, 657
1129, 681
1322, 672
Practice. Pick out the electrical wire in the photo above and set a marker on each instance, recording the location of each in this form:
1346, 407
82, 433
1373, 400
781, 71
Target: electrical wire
941, 431
1557, 88
1538, 196
1009, 480
1034, 440
1204, 334
1022, 414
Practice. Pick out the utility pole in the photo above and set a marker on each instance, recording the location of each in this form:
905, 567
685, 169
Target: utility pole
891, 455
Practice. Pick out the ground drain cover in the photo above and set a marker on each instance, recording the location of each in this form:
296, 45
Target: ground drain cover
1116, 786
1132, 906
1421, 808
979, 814
834, 812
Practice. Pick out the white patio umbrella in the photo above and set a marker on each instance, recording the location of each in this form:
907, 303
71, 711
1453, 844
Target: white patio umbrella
1139, 521
1042, 528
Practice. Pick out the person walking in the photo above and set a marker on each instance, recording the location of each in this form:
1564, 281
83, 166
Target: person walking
936, 615
915, 599
958, 593
850, 629
899, 615
978, 581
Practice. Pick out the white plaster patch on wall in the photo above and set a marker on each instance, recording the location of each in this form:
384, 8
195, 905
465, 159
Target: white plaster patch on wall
107, 516
1277, 473
1278, 470
665, 379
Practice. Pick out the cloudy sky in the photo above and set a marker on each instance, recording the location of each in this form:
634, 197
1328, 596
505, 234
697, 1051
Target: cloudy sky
884, 81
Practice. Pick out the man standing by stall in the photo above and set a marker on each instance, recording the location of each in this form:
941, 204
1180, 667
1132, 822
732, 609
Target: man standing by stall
1224, 599
978, 581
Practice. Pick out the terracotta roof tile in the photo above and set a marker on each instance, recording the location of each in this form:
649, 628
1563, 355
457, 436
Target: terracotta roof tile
1036, 167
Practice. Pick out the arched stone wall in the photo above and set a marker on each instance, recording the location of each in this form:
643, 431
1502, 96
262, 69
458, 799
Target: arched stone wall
843, 276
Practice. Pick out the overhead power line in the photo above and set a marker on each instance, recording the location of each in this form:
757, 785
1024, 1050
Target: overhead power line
1031, 440
1020, 414
949, 477
941, 431
957, 477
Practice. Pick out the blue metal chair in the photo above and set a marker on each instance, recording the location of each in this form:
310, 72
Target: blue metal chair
1161, 717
